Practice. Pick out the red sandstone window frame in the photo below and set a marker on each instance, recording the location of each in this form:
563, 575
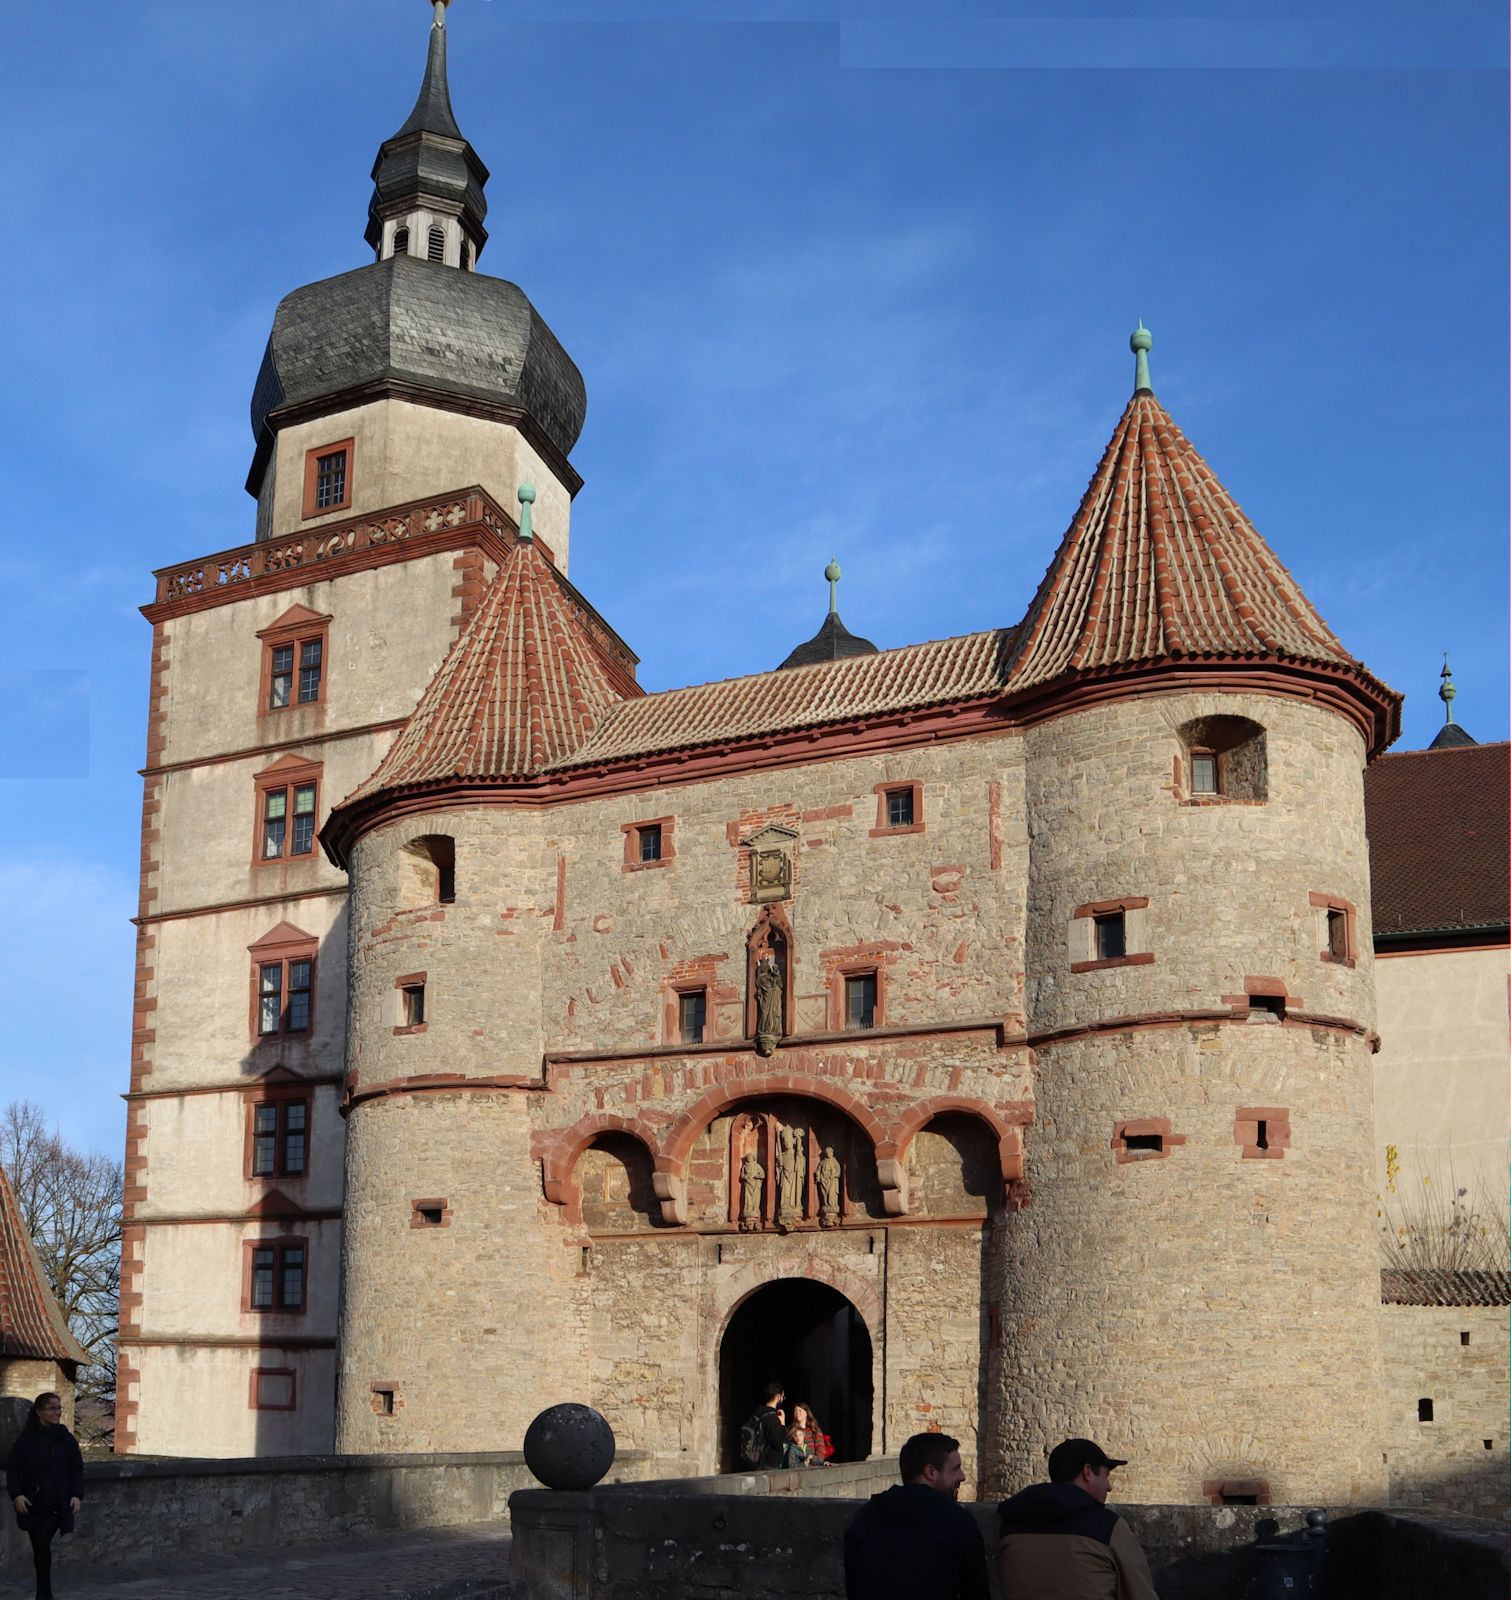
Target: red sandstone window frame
387, 1399
278, 1100
913, 787
1144, 1128
280, 1246
1272, 1122
405, 986
676, 993
312, 459
1332, 905
839, 974
419, 1213
632, 845
255, 1402
1095, 909
281, 947
295, 629
289, 773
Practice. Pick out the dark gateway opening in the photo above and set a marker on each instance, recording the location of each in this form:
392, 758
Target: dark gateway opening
811, 1340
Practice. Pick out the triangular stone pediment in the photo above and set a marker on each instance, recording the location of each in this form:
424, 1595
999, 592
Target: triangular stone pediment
772, 837
284, 933
275, 1203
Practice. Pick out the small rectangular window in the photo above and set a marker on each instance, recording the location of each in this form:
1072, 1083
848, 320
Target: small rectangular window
1337, 935
292, 1268
650, 842
304, 820
1203, 773
1111, 936
270, 997
264, 1141
900, 808
311, 656
1424, 1410
274, 823
330, 480
383, 1402
429, 1213
860, 1000
279, 1138
412, 1005
1273, 1005
295, 1131
264, 1260
280, 676
1152, 1142
692, 1015
445, 883
298, 1016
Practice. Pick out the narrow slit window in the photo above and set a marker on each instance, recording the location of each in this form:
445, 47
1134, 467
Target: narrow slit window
412, 1003
1261, 1135
1337, 935
860, 1000
435, 248
1464, 1337
330, 480
383, 1402
1111, 936
1424, 1410
692, 1016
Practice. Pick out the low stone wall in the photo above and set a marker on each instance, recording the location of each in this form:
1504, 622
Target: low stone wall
138, 1509
753, 1537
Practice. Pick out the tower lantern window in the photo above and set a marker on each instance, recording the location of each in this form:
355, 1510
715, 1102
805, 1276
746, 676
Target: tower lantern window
401, 241
435, 249
330, 480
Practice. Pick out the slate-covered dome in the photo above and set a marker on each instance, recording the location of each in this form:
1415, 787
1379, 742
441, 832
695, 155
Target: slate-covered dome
418, 322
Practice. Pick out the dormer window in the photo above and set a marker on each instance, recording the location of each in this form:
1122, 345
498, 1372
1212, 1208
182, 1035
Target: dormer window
401, 241
328, 477
435, 248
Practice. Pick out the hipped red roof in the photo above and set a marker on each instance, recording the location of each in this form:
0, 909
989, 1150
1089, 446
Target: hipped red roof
522, 687
31, 1321
1160, 562
1438, 822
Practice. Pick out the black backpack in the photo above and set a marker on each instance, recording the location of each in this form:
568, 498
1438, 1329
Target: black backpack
752, 1440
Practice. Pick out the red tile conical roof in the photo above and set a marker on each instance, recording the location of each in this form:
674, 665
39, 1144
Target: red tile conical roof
523, 687
1160, 562
31, 1321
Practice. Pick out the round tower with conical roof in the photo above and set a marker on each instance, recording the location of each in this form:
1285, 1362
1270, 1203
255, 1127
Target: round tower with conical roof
1193, 1278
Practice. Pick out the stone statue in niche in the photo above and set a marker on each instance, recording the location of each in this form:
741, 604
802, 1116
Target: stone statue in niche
791, 1171
752, 1183
827, 1177
770, 998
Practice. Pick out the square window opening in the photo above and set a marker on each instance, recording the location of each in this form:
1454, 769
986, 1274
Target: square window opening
1489, 1444
900, 808
1111, 933
383, 1402
1267, 1005
860, 1000
412, 1005
431, 1216
692, 1016
1424, 1410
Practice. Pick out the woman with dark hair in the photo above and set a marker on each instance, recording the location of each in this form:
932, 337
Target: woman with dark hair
44, 1478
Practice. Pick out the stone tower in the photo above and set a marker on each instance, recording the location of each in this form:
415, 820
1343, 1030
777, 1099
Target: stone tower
1200, 997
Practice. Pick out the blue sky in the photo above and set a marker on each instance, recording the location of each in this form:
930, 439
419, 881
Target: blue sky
842, 284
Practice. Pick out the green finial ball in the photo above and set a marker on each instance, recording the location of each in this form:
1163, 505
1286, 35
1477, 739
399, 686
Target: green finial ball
1141, 341
527, 494
832, 572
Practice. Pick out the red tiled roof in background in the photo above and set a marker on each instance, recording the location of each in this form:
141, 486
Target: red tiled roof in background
31, 1322
1160, 561
522, 688
1438, 825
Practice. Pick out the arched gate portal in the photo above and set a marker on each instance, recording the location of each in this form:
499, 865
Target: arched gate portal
810, 1339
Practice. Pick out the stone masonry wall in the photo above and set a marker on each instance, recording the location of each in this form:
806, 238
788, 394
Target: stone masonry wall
1455, 1358
1206, 1308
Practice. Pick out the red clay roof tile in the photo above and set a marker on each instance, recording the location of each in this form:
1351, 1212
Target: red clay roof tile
31, 1321
1438, 823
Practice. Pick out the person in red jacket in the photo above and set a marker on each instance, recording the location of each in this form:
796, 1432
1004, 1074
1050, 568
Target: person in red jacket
914, 1541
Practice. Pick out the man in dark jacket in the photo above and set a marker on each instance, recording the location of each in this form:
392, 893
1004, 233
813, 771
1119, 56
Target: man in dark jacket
913, 1541
1059, 1540
769, 1428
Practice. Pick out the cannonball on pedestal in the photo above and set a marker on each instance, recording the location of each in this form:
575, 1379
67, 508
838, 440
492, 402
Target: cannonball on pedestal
569, 1446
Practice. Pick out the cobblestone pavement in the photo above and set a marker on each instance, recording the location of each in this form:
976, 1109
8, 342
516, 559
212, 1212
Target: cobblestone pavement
433, 1564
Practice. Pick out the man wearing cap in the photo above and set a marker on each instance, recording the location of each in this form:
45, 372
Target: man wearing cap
1059, 1540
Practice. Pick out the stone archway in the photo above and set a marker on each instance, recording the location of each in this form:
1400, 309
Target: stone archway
813, 1340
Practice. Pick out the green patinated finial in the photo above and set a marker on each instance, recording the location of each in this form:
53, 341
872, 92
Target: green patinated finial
833, 574
1140, 344
526, 500
1446, 691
